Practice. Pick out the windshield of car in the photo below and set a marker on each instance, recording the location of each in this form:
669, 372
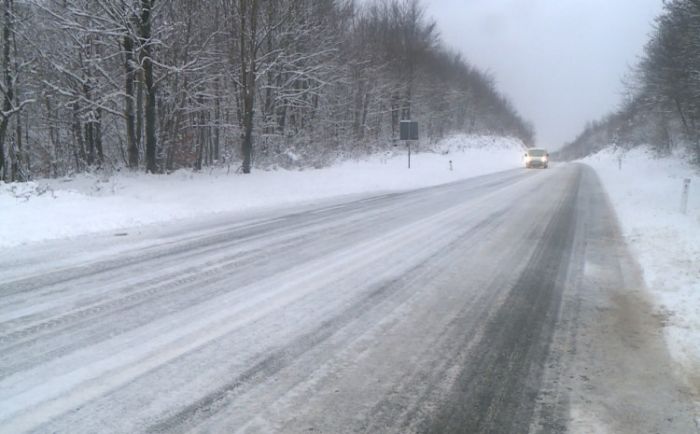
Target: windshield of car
537, 153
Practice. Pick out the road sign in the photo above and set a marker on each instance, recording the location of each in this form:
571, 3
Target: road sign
409, 130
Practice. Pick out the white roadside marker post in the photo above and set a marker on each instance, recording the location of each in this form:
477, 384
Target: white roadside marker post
450, 165
684, 196
619, 162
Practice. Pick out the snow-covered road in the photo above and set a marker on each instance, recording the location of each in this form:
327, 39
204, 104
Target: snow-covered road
497, 304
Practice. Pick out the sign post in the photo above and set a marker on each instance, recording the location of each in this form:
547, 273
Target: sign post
409, 154
408, 131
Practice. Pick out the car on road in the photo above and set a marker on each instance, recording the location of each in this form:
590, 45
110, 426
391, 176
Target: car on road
536, 158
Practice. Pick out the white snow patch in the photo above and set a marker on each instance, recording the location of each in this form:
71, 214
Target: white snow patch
646, 193
584, 421
58, 208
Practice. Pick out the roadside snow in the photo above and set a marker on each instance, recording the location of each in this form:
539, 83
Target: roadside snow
51, 209
646, 193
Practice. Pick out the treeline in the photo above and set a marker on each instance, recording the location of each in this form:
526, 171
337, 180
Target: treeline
663, 109
159, 85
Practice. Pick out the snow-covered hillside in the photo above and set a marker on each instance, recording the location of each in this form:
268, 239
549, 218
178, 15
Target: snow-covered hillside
50, 209
646, 192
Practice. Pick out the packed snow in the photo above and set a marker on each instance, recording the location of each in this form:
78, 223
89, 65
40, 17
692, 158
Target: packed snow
647, 193
58, 208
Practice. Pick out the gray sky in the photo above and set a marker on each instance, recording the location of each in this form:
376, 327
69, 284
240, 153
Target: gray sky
561, 62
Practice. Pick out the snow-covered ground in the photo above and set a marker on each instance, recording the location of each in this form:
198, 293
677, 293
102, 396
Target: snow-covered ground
646, 193
50, 209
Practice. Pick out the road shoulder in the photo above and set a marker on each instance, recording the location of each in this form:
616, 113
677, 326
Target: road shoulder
609, 369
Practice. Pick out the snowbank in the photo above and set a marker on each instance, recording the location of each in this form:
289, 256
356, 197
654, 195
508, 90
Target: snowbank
53, 209
646, 193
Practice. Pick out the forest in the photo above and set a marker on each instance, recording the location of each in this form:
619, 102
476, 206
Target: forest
662, 106
159, 85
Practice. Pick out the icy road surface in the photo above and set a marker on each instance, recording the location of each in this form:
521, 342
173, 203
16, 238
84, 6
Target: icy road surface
504, 303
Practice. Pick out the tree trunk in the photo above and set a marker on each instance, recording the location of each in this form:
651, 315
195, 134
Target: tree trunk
7, 78
217, 120
146, 61
97, 133
129, 115
21, 171
19, 156
28, 149
53, 138
139, 110
79, 145
248, 74
90, 142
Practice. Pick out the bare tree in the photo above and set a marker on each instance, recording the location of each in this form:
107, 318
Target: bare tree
194, 83
11, 105
664, 104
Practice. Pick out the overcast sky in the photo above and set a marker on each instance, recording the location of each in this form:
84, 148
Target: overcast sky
561, 62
